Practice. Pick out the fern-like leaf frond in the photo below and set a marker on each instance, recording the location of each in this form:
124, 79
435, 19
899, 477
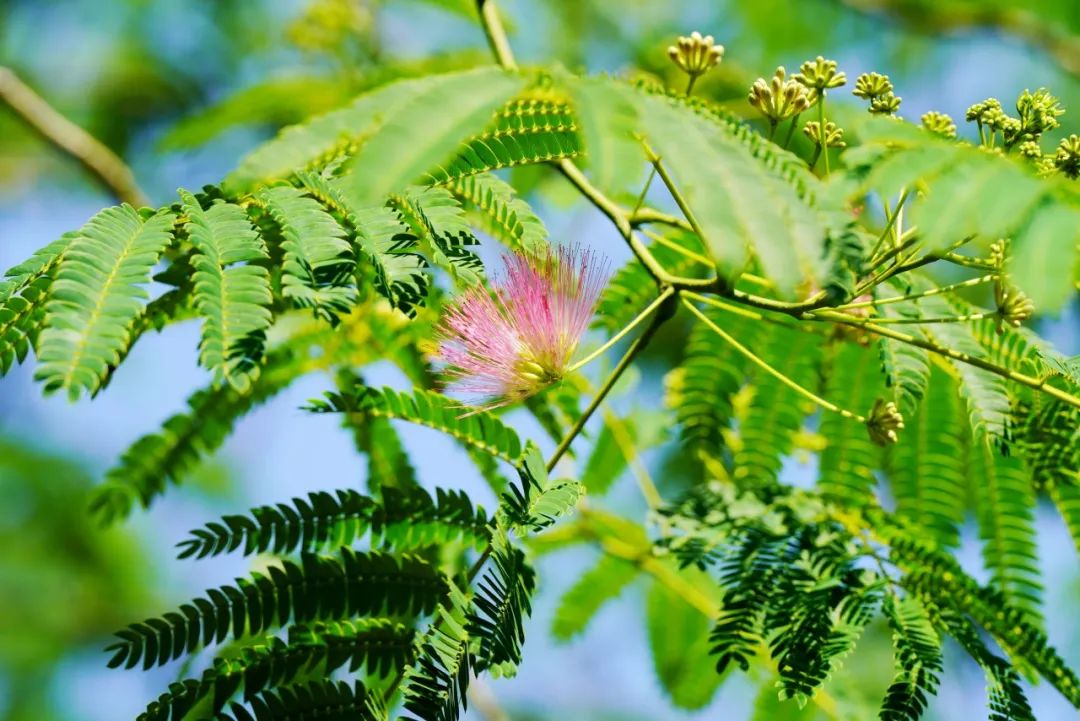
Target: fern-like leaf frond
318, 264
380, 645
233, 299
97, 295
480, 430
318, 588
383, 241
849, 460
506, 217
404, 519
311, 701
22, 300
503, 600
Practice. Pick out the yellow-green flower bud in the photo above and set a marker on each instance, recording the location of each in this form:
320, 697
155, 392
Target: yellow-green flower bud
1067, 157
939, 124
1039, 111
883, 423
1030, 149
779, 98
834, 136
872, 85
820, 74
886, 104
696, 55
1013, 307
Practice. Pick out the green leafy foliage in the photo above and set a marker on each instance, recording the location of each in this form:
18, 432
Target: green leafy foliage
22, 299
918, 659
232, 299
480, 430
502, 602
403, 519
539, 501
631, 289
1005, 504
382, 241
600, 584
534, 129
679, 640
925, 470
318, 263
776, 412
976, 193
765, 216
906, 367
436, 684
437, 222
336, 246
97, 295
377, 644
712, 372
334, 701
423, 130
849, 461
318, 588
506, 217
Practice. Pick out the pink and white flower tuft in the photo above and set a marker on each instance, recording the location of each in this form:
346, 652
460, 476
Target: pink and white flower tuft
505, 346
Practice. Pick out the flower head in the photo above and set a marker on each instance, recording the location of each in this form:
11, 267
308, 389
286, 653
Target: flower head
505, 346
884, 422
820, 74
779, 98
872, 85
834, 136
696, 55
939, 124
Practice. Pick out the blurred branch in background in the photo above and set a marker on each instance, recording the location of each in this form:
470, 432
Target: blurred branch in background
941, 18
103, 163
484, 701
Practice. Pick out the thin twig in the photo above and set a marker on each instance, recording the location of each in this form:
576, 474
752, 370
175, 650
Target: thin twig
43, 119
484, 701
915, 296
636, 346
496, 34
656, 303
1023, 379
757, 360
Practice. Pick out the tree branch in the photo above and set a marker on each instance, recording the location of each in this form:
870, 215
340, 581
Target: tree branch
43, 119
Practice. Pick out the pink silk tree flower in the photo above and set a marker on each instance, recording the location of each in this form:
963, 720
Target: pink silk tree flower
502, 347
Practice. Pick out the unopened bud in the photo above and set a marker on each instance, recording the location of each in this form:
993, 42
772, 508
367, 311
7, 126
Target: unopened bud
884, 422
696, 55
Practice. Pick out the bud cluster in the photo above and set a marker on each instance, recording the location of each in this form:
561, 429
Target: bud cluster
878, 89
696, 55
1038, 113
884, 422
1013, 306
833, 137
820, 75
1067, 158
779, 98
939, 124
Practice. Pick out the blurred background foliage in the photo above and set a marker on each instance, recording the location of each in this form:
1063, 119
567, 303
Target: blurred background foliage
182, 88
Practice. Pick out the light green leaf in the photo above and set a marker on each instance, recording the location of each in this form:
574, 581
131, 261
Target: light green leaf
98, 293
742, 207
1043, 251
233, 299
679, 639
580, 604
608, 121
422, 132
